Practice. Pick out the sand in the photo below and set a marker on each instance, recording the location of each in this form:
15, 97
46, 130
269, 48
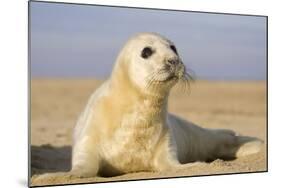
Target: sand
56, 105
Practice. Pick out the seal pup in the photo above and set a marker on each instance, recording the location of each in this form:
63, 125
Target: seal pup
126, 126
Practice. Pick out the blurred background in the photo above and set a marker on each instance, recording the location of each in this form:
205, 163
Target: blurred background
78, 41
73, 49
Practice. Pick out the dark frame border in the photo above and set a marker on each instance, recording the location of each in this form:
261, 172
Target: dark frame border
128, 7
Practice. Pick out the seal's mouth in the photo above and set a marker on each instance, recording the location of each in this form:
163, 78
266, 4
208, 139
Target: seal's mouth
170, 78
173, 74
176, 73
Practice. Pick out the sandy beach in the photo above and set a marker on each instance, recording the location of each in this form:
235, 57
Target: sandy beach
56, 105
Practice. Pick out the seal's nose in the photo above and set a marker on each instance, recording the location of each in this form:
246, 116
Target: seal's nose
173, 62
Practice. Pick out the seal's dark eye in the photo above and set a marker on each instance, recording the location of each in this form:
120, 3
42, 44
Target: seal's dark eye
174, 49
146, 52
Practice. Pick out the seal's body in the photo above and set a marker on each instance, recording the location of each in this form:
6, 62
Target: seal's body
125, 126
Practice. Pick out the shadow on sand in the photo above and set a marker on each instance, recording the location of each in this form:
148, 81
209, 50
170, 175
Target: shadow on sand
47, 158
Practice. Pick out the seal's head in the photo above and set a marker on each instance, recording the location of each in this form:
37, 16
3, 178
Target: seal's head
152, 63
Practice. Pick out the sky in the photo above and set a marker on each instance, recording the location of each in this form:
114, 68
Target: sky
82, 41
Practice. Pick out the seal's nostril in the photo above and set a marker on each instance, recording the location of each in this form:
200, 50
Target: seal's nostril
173, 61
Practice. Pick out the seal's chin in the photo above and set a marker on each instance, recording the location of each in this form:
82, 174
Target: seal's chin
172, 77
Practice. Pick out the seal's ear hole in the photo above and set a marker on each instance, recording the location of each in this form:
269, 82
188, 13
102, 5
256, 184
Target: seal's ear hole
146, 52
174, 49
